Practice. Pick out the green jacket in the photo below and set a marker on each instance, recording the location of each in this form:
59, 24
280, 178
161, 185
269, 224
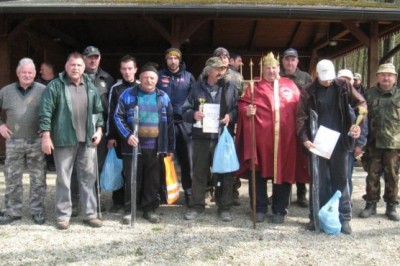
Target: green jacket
55, 112
383, 118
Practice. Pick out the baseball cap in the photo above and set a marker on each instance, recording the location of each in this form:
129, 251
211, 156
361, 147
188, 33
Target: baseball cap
357, 76
326, 70
387, 68
345, 73
290, 52
221, 51
91, 50
214, 62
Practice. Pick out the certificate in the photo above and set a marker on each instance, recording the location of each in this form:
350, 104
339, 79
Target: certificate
211, 118
325, 142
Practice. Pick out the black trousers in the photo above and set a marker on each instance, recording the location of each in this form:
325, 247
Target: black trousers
147, 180
184, 152
280, 195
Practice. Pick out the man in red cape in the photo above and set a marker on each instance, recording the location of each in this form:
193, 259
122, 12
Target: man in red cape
275, 147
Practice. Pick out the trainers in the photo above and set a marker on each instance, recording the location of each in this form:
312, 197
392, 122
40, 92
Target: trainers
152, 217
302, 202
39, 218
346, 228
225, 216
192, 214
94, 223
62, 224
7, 219
75, 211
278, 218
260, 217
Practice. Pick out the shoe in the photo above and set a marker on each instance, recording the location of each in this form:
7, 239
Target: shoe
7, 219
62, 224
94, 222
302, 202
236, 202
260, 217
369, 210
115, 208
346, 228
126, 219
225, 216
391, 212
192, 214
311, 225
39, 218
152, 217
277, 218
75, 211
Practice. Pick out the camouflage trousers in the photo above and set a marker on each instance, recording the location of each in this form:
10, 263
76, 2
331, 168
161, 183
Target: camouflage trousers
17, 151
386, 162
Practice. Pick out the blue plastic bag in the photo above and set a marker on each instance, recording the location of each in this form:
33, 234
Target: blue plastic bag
225, 158
111, 174
329, 215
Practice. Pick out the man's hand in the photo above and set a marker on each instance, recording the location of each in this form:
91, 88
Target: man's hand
226, 120
251, 110
198, 115
5, 131
47, 144
112, 143
133, 141
96, 138
355, 131
308, 144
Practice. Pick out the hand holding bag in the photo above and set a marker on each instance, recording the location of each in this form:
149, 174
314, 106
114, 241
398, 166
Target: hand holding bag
111, 174
171, 180
329, 215
225, 158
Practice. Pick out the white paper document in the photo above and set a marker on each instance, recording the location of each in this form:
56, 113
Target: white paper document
325, 142
211, 118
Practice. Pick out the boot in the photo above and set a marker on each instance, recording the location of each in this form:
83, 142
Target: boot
370, 209
391, 212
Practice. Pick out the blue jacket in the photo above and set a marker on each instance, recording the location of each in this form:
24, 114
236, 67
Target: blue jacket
124, 114
177, 86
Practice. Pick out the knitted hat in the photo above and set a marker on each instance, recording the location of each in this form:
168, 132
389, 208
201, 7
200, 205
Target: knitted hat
149, 66
221, 51
173, 52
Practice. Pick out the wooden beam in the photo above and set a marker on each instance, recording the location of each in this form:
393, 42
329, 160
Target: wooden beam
18, 29
390, 54
253, 35
160, 28
5, 62
189, 30
56, 33
357, 32
373, 53
294, 34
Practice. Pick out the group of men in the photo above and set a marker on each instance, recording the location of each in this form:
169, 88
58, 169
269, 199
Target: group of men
68, 116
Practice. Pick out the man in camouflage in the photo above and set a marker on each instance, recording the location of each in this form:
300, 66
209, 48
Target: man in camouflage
383, 145
20, 101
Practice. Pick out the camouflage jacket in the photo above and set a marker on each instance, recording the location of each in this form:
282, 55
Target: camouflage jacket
383, 117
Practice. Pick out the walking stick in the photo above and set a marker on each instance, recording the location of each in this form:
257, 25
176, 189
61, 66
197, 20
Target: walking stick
253, 140
96, 166
135, 127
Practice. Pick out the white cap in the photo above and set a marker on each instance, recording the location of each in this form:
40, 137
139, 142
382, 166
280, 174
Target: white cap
345, 73
326, 70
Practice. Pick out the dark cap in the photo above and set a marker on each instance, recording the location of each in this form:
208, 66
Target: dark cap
221, 51
91, 50
215, 62
291, 52
149, 66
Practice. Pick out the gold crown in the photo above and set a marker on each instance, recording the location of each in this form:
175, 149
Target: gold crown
269, 60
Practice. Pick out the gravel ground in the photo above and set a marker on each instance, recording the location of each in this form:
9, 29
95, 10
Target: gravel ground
208, 241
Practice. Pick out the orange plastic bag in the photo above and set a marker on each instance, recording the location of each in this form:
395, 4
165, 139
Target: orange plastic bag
171, 180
